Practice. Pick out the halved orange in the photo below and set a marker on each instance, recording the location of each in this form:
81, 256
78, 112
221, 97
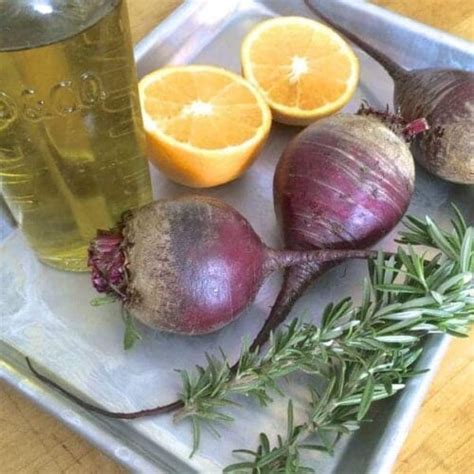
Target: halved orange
304, 69
204, 125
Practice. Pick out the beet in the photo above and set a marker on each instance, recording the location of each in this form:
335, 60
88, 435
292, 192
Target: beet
444, 97
342, 183
188, 265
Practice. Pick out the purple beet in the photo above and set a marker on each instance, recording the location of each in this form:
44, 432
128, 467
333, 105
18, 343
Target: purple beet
342, 183
189, 265
445, 97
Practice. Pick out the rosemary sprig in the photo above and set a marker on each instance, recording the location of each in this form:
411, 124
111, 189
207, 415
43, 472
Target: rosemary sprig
432, 296
365, 352
340, 409
207, 391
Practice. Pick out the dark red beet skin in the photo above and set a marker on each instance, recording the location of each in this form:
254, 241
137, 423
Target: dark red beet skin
343, 183
211, 271
358, 189
444, 97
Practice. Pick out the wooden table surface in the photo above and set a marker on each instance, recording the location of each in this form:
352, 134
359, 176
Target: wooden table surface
442, 439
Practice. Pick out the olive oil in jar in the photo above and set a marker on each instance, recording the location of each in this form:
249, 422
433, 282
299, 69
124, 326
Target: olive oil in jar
72, 154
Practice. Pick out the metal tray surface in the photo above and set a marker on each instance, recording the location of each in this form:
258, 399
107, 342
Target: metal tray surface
46, 314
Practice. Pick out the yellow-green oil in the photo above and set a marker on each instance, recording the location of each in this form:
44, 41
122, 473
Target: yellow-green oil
71, 139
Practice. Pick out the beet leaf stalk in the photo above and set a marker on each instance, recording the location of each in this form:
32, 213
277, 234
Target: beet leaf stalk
407, 296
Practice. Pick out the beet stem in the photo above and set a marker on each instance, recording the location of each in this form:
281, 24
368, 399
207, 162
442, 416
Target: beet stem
393, 68
95, 409
295, 283
395, 122
414, 128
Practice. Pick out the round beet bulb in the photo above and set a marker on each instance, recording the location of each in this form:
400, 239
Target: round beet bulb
201, 269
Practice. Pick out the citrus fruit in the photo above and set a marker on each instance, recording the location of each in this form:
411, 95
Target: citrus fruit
304, 69
204, 124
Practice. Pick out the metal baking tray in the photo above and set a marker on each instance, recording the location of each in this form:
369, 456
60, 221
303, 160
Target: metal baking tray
46, 314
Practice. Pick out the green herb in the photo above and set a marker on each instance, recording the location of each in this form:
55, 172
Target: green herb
364, 353
102, 300
131, 334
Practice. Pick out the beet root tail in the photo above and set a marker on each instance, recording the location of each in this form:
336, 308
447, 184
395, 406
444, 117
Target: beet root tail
297, 279
170, 407
277, 259
393, 68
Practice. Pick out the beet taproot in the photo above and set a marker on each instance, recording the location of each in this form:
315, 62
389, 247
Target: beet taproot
189, 265
444, 97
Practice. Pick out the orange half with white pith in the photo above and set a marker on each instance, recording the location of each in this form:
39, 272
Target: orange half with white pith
304, 69
204, 125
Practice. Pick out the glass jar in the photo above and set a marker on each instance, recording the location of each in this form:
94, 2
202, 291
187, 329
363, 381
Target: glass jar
72, 156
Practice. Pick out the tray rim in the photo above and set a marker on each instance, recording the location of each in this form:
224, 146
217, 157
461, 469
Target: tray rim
98, 430
187, 9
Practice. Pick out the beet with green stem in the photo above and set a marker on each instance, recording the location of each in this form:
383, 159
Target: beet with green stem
445, 97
